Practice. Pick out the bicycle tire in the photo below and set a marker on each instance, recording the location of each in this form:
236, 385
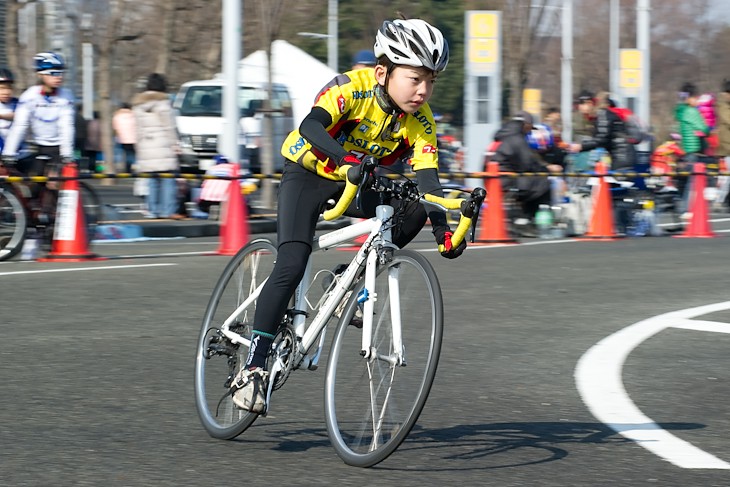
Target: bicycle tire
217, 358
13, 224
356, 387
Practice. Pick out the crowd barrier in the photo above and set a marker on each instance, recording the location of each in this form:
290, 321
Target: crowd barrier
70, 242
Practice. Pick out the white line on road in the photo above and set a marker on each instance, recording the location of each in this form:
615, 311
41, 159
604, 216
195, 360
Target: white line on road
598, 378
77, 269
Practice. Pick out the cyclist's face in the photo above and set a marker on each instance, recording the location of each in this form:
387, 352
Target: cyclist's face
408, 87
52, 80
6, 92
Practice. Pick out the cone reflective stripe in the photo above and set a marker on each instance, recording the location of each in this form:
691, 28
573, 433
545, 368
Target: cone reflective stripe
70, 240
699, 224
494, 227
601, 226
234, 233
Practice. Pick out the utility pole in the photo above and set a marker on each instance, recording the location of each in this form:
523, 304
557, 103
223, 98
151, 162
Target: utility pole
566, 82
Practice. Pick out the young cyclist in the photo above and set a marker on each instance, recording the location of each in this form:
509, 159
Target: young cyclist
47, 110
380, 113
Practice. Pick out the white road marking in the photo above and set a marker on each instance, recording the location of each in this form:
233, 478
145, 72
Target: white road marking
598, 378
78, 269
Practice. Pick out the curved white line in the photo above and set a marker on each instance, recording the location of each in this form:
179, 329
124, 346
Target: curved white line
598, 378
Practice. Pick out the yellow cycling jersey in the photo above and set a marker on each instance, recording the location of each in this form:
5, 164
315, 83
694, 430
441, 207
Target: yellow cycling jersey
362, 128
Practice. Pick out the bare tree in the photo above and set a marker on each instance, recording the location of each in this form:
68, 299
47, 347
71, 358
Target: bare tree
270, 14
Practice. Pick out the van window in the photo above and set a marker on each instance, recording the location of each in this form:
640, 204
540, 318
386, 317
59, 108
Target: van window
202, 101
205, 101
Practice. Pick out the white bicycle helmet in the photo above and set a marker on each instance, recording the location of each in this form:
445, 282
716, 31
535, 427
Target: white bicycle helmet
48, 61
412, 43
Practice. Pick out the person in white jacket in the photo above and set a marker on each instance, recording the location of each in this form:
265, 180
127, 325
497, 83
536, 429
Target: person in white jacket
46, 110
157, 146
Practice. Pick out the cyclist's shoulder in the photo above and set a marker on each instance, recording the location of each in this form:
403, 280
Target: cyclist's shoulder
421, 121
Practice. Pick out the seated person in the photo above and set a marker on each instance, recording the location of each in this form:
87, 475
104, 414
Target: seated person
514, 154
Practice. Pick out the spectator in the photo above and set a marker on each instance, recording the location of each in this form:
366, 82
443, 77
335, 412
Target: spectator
692, 129
92, 144
609, 133
364, 59
126, 133
514, 154
46, 110
157, 146
8, 103
79, 134
583, 125
723, 134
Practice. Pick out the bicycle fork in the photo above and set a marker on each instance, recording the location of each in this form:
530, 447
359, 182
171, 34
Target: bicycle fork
368, 296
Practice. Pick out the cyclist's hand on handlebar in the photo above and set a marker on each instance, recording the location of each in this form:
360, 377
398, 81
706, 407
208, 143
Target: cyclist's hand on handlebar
443, 236
358, 167
9, 161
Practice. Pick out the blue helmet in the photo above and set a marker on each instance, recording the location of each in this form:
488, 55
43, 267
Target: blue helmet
48, 61
540, 137
365, 57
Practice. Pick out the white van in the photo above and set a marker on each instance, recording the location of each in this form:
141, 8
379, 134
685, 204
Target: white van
199, 119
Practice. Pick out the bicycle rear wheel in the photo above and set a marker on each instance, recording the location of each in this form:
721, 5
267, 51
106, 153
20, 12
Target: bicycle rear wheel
372, 404
13, 224
218, 359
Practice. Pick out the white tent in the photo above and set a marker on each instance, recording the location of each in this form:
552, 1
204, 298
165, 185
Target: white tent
302, 74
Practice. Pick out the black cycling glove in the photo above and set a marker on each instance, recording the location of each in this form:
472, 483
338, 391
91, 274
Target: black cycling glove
443, 239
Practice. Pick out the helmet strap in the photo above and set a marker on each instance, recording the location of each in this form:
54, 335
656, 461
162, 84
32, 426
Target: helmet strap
385, 102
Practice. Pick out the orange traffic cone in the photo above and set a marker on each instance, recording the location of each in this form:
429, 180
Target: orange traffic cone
601, 225
234, 229
494, 228
70, 240
699, 225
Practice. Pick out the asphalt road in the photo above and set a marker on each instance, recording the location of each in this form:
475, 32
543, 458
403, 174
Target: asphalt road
97, 367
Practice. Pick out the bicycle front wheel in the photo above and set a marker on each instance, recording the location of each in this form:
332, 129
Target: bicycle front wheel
372, 404
218, 359
13, 224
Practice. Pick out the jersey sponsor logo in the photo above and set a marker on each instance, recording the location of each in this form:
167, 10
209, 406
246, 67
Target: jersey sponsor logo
367, 145
427, 125
363, 128
359, 95
341, 103
429, 149
298, 145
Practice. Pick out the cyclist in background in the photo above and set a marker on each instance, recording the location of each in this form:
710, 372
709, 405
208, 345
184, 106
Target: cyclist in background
47, 111
380, 113
8, 103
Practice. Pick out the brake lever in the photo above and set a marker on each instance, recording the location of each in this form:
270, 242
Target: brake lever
477, 198
367, 167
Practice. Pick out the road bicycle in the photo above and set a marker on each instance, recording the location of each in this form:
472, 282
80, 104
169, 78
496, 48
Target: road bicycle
28, 207
389, 311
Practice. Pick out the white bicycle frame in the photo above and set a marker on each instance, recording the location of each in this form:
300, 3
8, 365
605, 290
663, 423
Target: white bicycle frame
379, 236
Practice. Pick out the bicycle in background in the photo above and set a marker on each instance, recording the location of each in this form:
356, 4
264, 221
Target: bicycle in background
28, 208
385, 350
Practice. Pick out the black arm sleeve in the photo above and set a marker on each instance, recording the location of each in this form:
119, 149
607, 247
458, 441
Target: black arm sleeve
428, 182
314, 129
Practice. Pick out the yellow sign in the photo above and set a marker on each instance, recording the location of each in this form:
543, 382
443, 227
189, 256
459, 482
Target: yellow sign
483, 51
630, 78
630, 59
483, 25
532, 102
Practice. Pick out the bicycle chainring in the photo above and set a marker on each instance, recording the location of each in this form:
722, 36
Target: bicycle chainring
283, 349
